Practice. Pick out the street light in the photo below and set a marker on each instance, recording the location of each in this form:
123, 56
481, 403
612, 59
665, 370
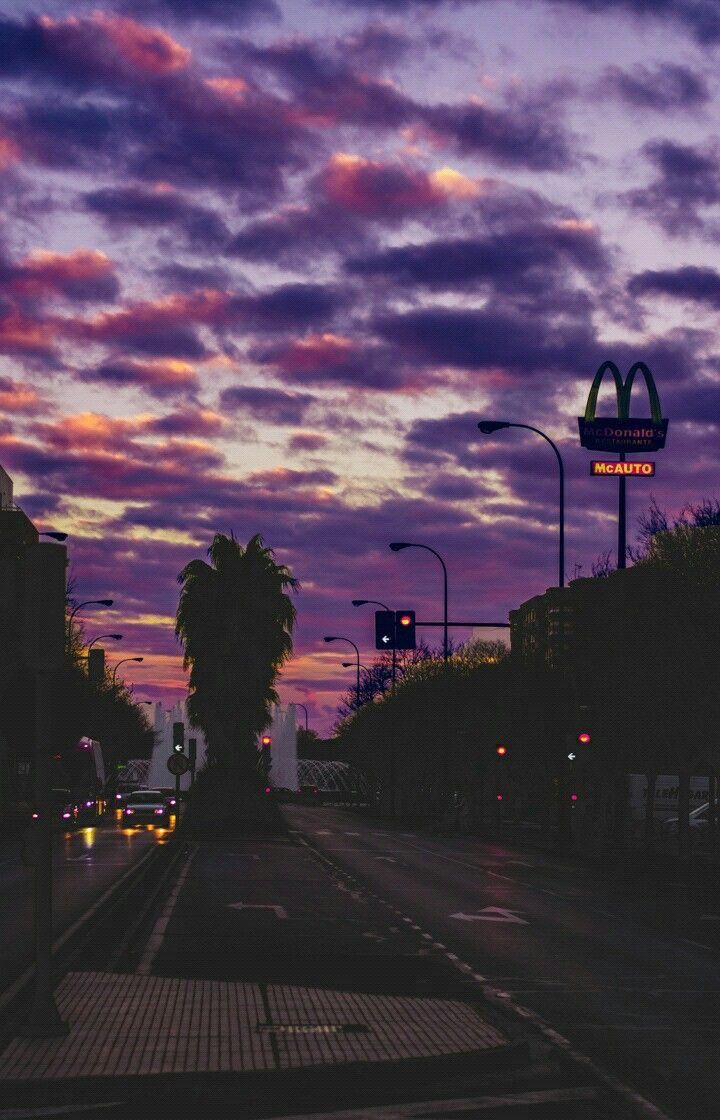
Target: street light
55, 536
349, 665
397, 546
122, 663
335, 638
487, 427
115, 638
299, 705
377, 603
89, 603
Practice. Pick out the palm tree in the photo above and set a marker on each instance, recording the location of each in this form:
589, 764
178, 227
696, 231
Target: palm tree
235, 621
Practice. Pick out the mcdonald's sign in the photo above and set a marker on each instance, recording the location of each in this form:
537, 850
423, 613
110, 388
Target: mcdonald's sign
623, 433
617, 467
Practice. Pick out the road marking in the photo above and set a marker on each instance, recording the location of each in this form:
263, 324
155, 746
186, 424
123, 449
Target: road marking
698, 944
467, 1104
352, 833
323, 832
155, 939
387, 859
521, 863
60, 1110
280, 911
491, 914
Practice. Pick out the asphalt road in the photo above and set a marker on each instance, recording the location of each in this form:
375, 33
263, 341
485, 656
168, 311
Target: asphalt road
85, 863
626, 967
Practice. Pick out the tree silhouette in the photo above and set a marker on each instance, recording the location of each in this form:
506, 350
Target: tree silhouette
235, 621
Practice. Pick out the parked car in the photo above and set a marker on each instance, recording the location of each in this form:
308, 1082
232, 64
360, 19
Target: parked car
146, 806
63, 810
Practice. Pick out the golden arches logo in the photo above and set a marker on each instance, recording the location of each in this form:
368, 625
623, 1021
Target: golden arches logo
623, 433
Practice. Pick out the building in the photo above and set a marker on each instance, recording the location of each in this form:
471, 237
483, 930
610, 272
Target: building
32, 624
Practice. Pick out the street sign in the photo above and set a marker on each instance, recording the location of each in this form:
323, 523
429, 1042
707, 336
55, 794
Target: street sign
616, 467
178, 764
384, 629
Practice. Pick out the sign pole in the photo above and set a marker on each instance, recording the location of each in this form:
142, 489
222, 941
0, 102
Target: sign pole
621, 517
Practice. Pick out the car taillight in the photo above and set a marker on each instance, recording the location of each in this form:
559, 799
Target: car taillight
89, 804
35, 816
173, 801
129, 811
66, 816
118, 796
158, 812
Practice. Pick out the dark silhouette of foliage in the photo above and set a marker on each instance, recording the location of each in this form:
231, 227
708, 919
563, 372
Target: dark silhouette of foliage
235, 621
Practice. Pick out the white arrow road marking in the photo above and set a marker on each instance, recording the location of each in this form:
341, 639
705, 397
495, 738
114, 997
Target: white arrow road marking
388, 859
491, 914
280, 911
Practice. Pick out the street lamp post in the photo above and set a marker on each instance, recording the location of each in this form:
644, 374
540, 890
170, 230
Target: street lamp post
122, 663
88, 603
299, 705
101, 637
396, 546
55, 536
335, 638
487, 427
377, 603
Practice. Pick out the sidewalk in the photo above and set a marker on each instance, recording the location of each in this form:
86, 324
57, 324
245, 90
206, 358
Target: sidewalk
272, 983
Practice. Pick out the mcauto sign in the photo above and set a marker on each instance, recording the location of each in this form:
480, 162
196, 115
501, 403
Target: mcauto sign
623, 433
618, 467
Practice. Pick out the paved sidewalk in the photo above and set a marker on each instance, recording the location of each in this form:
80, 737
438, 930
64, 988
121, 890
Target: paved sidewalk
142, 1025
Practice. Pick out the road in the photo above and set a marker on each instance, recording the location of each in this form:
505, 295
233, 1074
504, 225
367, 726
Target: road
630, 976
85, 863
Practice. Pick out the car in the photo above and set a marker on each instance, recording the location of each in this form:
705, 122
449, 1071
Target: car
64, 811
122, 792
171, 798
146, 806
699, 821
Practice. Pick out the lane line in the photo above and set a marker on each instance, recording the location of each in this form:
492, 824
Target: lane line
9, 994
155, 939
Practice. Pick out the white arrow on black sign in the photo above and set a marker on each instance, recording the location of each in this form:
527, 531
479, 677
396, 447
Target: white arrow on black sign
385, 638
491, 914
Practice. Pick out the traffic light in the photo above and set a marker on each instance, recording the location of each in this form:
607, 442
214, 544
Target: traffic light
384, 630
178, 738
405, 629
501, 750
585, 738
266, 741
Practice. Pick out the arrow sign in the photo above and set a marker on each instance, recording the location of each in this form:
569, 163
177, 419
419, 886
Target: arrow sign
280, 911
385, 638
491, 914
571, 756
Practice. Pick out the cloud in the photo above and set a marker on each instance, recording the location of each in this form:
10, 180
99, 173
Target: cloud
518, 259
702, 285
688, 180
187, 422
307, 441
19, 397
160, 378
83, 276
148, 207
490, 339
389, 190
700, 17
665, 88
83, 50
298, 234
274, 406
332, 359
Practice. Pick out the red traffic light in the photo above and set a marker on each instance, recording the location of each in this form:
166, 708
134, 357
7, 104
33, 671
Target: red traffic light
584, 737
498, 797
405, 620
266, 740
501, 750
573, 797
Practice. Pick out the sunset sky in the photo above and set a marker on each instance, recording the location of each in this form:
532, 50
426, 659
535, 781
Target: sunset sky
264, 265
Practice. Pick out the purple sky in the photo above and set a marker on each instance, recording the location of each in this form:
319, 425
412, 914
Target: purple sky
264, 265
